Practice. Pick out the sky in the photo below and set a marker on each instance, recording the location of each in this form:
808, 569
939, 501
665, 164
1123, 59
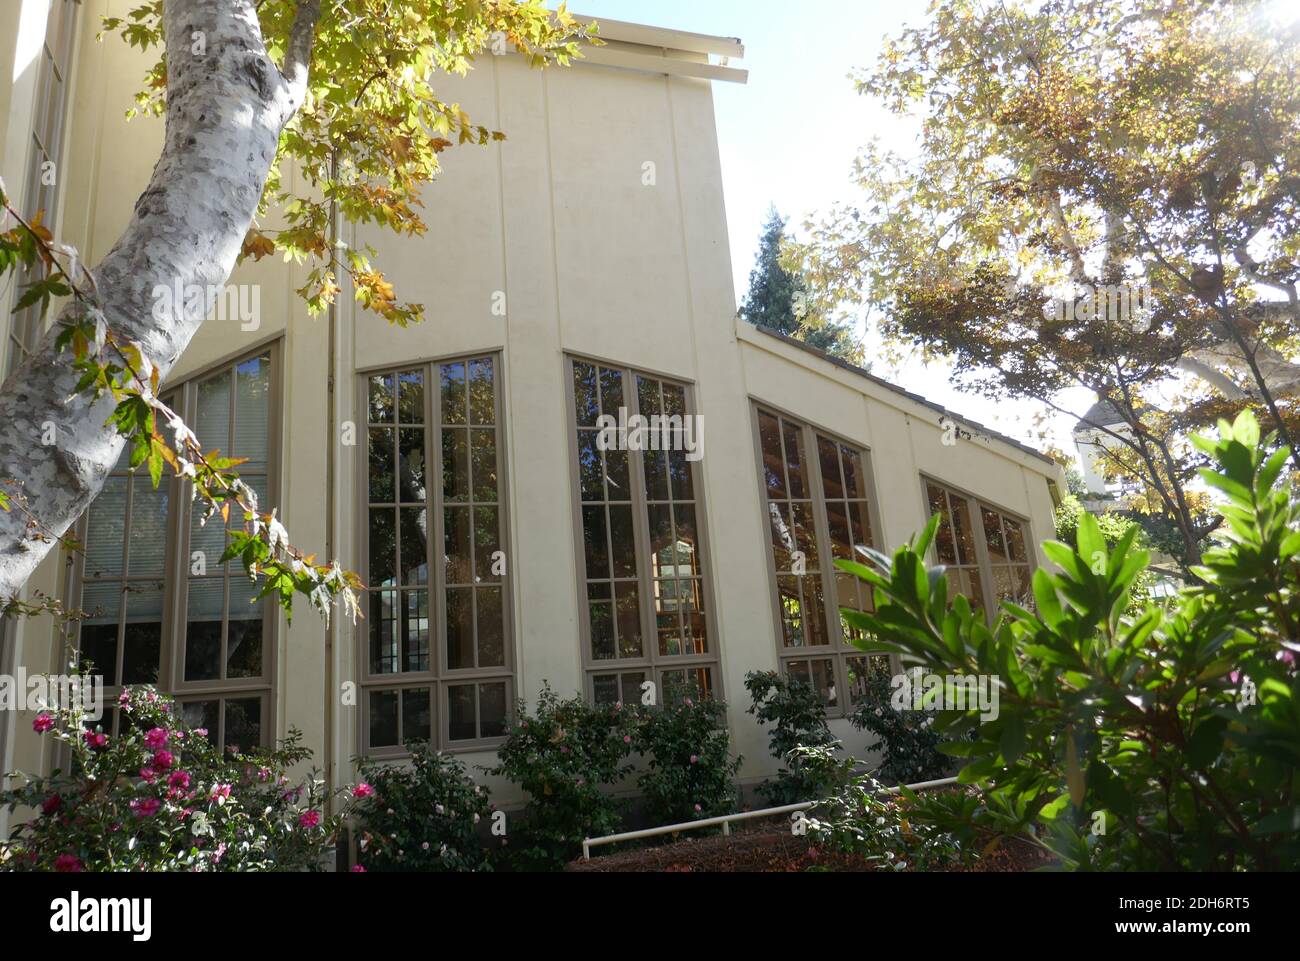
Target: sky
789, 137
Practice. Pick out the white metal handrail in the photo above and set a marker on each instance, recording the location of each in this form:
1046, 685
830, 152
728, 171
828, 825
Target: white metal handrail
728, 819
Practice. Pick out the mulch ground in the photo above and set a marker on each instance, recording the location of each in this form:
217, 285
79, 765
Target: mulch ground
771, 848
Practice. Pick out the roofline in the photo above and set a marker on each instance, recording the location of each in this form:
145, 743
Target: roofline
889, 385
665, 38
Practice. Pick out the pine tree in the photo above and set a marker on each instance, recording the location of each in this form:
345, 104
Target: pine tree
777, 299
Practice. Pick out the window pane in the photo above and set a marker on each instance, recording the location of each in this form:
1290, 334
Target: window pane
586, 395
381, 405
492, 710
993, 536
383, 547
243, 724
829, 454
457, 544
382, 470
769, 432
482, 394
148, 548
460, 703
622, 541
412, 477
591, 474
855, 480
106, 530
806, 535
611, 392
655, 465
487, 544
794, 458
484, 460
1015, 540
862, 671
415, 546
415, 630
602, 630
453, 393
963, 530
491, 628
212, 424
629, 621
253, 411
142, 638
417, 715
383, 719
99, 631
244, 631
383, 632
410, 397
595, 542
455, 464
460, 629
605, 689
203, 716
207, 603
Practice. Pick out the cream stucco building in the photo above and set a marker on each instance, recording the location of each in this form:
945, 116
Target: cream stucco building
579, 267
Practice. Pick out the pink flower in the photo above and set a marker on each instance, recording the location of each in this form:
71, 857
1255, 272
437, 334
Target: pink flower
146, 807
163, 760
220, 791
358, 869
179, 780
695, 759
42, 724
627, 738
147, 774
51, 804
94, 739
698, 809
201, 731
68, 864
124, 698
264, 774
156, 738
309, 819
689, 702
363, 790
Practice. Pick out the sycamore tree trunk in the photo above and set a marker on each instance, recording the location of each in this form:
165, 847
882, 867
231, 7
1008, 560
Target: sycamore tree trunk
227, 103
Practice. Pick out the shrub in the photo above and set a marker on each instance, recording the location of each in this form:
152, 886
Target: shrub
907, 740
159, 797
859, 817
1165, 741
689, 773
798, 718
421, 816
561, 755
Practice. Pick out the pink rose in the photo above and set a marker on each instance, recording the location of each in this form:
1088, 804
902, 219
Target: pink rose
363, 790
163, 760
179, 780
94, 739
42, 724
146, 807
156, 738
309, 819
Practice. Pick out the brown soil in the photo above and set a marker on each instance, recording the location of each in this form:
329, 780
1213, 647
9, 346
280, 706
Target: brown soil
771, 848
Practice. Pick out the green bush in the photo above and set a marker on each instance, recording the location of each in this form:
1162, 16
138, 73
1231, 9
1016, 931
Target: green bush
859, 817
907, 740
423, 815
798, 718
562, 755
1165, 741
160, 797
689, 772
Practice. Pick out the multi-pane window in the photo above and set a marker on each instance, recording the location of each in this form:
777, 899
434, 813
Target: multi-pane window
982, 547
162, 608
43, 175
819, 510
437, 646
645, 614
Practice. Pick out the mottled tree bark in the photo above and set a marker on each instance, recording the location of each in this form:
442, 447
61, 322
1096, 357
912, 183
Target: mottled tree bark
227, 103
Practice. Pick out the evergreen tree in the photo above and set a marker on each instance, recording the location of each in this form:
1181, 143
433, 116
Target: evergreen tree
779, 299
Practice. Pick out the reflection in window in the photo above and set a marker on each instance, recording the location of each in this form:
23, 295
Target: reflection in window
434, 478
641, 542
818, 511
1004, 573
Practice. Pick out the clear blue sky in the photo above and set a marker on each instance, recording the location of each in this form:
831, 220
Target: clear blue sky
790, 135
